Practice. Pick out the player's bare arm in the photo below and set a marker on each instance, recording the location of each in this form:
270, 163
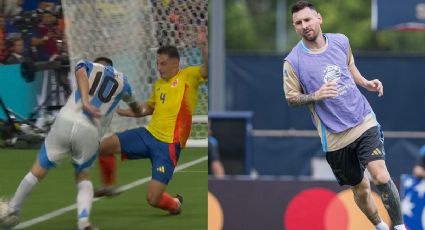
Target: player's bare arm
373, 85
203, 45
135, 108
327, 90
145, 110
300, 100
83, 86
294, 93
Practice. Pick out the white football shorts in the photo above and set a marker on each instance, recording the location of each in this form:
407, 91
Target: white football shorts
70, 136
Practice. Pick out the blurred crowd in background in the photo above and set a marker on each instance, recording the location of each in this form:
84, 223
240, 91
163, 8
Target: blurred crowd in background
31, 31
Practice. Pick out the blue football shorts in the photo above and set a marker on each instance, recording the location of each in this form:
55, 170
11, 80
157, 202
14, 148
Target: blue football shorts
139, 143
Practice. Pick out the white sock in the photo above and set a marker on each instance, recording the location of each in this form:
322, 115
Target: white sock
400, 227
24, 189
84, 200
382, 226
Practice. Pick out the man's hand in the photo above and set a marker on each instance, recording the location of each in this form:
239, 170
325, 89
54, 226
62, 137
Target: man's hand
203, 44
95, 112
143, 110
375, 85
202, 36
125, 112
327, 90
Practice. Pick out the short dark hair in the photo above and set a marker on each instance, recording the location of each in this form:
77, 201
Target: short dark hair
106, 60
301, 5
171, 51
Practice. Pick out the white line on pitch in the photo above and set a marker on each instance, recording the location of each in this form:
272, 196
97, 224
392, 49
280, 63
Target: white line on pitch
123, 188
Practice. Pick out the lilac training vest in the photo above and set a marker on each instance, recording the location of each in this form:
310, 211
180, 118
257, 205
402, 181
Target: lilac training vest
349, 108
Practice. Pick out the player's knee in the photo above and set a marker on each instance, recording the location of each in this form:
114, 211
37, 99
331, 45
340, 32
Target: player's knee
102, 148
109, 145
80, 176
38, 171
381, 177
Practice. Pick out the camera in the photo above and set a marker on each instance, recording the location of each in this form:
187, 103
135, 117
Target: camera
26, 20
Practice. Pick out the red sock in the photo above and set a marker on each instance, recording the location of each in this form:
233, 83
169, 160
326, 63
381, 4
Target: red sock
108, 169
167, 202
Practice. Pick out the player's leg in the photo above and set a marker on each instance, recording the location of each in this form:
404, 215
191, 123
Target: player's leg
158, 198
164, 158
51, 152
84, 199
11, 217
108, 165
366, 203
26, 186
108, 170
371, 154
388, 191
130, 144
348, 171
28, 183
85, 146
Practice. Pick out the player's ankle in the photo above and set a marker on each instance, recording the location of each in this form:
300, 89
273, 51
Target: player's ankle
83, 223
382, 226
400, 227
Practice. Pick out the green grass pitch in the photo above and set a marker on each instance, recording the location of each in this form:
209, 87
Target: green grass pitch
126, 211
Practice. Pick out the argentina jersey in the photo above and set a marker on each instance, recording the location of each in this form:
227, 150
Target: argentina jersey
107, 87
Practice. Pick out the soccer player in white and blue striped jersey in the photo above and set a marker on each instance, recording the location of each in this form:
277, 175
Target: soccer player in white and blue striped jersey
77, 131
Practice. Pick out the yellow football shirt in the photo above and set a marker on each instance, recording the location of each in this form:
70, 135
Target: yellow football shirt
173, 101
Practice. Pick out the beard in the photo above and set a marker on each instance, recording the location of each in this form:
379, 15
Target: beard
311, 38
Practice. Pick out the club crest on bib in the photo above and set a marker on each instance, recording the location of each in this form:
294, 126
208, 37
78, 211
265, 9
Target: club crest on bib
175, 83
332, 73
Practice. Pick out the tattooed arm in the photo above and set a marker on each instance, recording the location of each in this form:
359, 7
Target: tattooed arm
300, 100
294, 93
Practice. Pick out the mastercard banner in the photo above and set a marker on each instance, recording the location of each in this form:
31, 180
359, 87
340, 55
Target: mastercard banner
285, 203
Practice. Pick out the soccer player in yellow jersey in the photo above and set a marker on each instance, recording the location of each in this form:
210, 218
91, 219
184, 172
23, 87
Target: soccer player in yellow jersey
171, 104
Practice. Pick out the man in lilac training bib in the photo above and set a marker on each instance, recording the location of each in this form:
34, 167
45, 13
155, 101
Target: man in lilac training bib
320, 73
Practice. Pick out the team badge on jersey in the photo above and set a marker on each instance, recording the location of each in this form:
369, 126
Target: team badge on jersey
175, 83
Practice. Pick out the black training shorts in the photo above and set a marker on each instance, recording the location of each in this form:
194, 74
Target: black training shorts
348, 164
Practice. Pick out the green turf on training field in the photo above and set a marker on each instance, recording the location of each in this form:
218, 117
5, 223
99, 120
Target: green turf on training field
127, 211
